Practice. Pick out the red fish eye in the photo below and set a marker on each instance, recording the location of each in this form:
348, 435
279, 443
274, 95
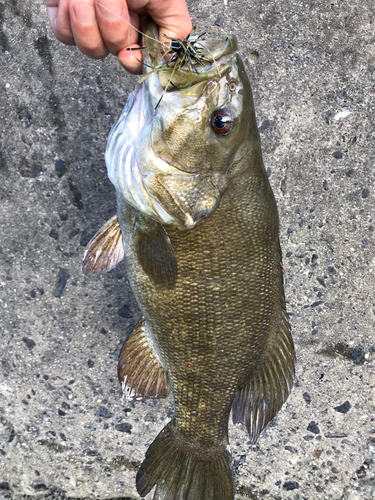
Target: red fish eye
222, 121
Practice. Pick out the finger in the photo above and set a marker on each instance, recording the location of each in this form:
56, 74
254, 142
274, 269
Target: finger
172, 16
85, 28
116, 27
131, 59
59, 20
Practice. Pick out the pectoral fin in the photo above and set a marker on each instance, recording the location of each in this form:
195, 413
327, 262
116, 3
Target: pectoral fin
257, 403
139, 368
155, 252
105, 250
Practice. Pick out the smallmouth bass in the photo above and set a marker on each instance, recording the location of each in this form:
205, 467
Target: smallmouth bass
197, 227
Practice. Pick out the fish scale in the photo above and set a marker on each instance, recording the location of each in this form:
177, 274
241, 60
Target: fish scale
199, 238
200, 319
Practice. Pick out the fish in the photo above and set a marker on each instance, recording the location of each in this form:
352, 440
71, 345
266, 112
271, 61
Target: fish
198, 229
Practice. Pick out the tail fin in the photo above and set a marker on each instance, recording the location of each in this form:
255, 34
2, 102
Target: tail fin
182, 471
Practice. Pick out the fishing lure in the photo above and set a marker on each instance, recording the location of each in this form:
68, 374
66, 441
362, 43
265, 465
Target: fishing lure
187, 54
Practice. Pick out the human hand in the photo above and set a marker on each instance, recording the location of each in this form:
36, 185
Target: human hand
98, 27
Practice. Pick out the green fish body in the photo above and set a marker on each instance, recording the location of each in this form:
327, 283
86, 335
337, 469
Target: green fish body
199, 236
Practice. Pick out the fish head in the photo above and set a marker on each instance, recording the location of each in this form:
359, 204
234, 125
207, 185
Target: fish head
181, 132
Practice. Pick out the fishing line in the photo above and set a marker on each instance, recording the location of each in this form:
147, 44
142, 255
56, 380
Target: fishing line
189, 51
130, 24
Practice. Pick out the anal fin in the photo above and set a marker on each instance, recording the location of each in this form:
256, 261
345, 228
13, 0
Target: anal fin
105, 250
258, 401
139, 369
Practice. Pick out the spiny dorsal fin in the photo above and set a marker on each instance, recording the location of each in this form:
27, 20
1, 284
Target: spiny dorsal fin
105, 250
155, 252
257, 403
139, 369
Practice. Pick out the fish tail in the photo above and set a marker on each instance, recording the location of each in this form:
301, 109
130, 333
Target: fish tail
184, 471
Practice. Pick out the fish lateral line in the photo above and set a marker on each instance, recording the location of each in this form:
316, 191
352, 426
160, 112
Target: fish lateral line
241, 355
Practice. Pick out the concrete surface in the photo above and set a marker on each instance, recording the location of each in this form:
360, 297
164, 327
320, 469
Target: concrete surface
307, 60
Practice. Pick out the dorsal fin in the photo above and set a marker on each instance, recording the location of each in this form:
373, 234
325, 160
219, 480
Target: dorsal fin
258, 401
105, 250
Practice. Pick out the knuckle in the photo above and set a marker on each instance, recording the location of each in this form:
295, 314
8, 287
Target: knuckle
65, 38
98, 51
63, 34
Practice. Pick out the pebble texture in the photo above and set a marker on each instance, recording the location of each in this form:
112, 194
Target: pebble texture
65, 431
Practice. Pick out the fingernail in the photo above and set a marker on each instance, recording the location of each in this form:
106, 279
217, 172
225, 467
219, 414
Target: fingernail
85, 14
130, 63
112, 11
130, 60
52, 17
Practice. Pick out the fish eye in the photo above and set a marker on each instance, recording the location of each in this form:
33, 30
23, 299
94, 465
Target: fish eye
232, 86
222, 121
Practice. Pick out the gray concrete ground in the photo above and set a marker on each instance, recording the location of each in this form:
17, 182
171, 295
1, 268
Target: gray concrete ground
63, 425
